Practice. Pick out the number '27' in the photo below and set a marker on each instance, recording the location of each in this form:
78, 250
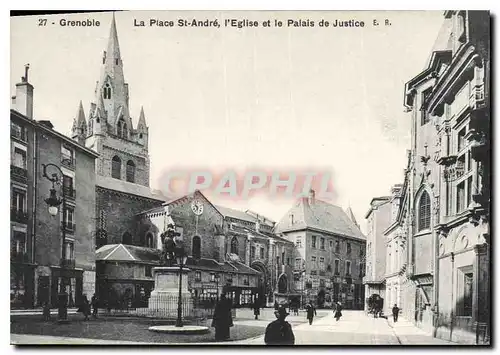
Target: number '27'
42, 22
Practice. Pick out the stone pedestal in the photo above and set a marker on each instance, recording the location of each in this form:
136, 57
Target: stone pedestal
165, 296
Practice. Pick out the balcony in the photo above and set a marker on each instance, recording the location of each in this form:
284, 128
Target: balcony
69, 192
68, 161
68, 227
68, 263
18, 134
18, 216
18, 174
20, 257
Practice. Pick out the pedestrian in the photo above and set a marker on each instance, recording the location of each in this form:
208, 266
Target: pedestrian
256, 310
310, 311
85, 308
46, 311
395, 312
94, 301
222, 319
279, 332
338, 311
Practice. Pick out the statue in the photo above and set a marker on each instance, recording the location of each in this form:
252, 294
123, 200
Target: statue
169, 246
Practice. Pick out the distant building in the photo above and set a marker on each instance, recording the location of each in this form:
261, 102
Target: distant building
329, 252
36, 236
378, 219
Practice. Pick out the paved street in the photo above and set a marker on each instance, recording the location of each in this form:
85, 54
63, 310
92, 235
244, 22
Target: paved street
354, 328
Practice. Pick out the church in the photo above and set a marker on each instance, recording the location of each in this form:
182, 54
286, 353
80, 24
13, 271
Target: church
229, 250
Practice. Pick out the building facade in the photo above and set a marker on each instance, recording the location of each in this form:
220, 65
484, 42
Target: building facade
329, 253
378, 218
37, 267
448, 193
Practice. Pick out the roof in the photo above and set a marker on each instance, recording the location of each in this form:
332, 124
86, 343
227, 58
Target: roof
110, 183
350, 214
241, 215
377, 201
320, 216
243, 229
132, 253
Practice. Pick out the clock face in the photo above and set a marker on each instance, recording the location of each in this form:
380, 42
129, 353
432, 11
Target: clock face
197, 207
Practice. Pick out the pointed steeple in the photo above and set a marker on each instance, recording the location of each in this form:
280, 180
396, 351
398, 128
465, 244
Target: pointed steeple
79, 129
141, 125
113, 51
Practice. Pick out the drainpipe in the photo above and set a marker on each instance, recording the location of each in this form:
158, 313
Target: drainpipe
34, 204
452, 255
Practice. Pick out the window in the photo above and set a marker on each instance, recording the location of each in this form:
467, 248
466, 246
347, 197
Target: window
331, 244
322, 243
348, 268
19, 158
321, 282
130, 171
361, 269
68, 218
17, 131
329, 268
252, 252
148, 271
424, 212
149, 240
298, 242
298, 263
234, 246
337, 246
116, 166
196, 250
262, 252
348, 248
288, 261
18, 200
313, 259
107, 91
68, 186
67, 156
121, 129
469, 191
197, 276
337, 267
314, 241
461, 142
467, 295
322, 263
425, 113
283, 258
461, 197
361, 254
116, 61
18, 244
70, 250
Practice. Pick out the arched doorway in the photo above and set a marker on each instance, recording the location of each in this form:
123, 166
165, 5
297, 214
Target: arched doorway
263, 281
282, 284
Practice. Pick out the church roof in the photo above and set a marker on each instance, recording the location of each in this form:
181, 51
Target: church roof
319, 216
110, 183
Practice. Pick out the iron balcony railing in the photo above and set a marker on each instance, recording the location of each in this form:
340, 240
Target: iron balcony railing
69, 192
17, 173
18, 216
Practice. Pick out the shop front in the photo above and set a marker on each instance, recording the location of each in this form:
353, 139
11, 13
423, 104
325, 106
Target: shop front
74, 286
21, 286
242, 296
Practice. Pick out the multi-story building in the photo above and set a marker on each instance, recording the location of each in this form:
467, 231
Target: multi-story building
448, 241
378, 219
329, 252
37, 267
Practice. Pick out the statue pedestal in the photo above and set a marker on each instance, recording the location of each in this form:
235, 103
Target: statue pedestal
165, 296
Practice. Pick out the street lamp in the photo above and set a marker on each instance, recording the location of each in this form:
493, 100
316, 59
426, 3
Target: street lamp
181, 258
53, 202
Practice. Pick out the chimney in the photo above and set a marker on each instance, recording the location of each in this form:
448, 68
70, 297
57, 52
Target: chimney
23, 101
311, 197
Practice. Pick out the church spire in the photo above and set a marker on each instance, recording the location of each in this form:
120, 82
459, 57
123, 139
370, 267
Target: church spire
113, 51
79, 129
142, 120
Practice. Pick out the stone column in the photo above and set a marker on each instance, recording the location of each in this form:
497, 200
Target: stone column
272, 265
248, 247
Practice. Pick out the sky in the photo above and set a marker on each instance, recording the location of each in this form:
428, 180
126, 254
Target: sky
230, 98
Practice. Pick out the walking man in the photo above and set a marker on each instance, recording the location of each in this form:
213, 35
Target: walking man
279, 332
395, 312
94, 302
256, 309
311, 312
338, 311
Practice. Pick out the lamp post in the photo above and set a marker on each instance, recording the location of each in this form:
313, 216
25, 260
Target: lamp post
53, 202
181, 258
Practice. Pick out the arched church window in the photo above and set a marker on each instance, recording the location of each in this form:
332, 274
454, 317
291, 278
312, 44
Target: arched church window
234, 246
282, 284
127, 238
424, 212
107, 91
149, 240
130, 171
119, 129
196, 249
116, 166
